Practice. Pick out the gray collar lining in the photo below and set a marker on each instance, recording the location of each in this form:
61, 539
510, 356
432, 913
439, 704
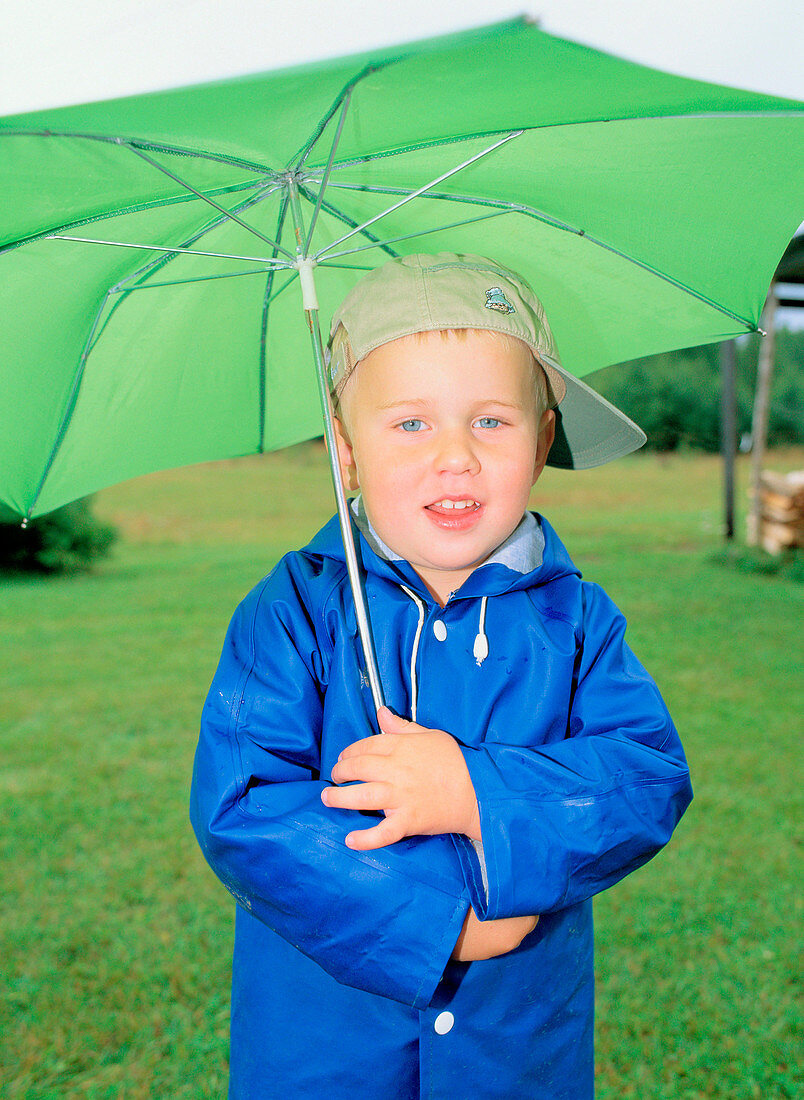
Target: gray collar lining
522, 551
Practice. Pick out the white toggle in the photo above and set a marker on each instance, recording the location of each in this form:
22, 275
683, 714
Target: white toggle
481, 648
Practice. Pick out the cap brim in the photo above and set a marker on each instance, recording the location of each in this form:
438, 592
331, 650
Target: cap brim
589, 429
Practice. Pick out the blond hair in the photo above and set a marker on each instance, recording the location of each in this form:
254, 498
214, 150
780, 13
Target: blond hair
341, 351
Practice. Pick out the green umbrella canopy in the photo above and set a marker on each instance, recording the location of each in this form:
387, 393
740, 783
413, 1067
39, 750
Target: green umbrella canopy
647, 210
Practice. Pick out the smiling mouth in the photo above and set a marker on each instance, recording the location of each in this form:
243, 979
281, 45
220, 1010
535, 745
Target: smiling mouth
454, 513
453, 505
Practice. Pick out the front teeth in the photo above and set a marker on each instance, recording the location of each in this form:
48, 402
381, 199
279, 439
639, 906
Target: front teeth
459, 504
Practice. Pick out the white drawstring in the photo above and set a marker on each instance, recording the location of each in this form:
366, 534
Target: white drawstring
414, 687
480, 649
481, 646
481, 652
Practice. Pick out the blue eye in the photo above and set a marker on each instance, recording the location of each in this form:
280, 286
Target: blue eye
412, 425
488, 422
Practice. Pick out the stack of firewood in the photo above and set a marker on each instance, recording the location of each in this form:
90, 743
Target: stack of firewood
782, 511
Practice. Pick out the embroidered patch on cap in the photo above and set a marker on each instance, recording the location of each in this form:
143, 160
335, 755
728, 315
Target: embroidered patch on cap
495, 299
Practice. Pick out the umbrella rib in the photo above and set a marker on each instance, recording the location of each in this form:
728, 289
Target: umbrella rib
325, 179
72, 398
350, 267
269, 297
125, 291
456, 139
275, 293
503, 205
301, 155
156, 146
164, 260
750, 325
69, 408
135, 208
420, 147
164, 248
192, 279
153, 265
421, 190
205, 198
142, 272
341, 215
419, 233
556, 223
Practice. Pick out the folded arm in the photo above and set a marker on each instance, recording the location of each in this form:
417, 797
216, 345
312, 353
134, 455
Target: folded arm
382, 921
418, 779
562, 821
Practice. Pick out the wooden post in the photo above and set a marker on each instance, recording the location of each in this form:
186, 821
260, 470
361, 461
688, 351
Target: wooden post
728, 429
759, 425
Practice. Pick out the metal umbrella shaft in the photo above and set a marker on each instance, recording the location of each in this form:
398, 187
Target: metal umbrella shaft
305, 265
310, 303
347, 532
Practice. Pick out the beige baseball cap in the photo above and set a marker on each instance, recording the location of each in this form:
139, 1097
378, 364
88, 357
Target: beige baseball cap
424, 293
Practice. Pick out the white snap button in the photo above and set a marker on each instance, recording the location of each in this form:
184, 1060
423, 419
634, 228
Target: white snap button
440, 630
444, 1022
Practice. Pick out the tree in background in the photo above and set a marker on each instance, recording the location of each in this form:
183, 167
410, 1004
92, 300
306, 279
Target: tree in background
675, 397
68, 540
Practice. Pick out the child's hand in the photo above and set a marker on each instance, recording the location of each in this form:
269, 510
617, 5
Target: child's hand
416, 776
488, 939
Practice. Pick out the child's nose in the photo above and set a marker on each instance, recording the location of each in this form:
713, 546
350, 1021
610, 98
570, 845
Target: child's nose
456, 454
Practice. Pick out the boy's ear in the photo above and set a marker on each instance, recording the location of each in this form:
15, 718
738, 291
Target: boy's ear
346, 456
547, 433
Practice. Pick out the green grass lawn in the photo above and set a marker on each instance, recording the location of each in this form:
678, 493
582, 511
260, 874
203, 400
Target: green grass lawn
116, 938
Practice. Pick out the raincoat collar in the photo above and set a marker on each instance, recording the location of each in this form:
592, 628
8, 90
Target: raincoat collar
532, 555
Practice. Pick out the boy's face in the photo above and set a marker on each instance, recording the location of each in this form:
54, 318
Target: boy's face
442, 434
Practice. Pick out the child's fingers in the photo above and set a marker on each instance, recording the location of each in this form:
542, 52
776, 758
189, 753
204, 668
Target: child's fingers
387, 832
372, 746
360, 796
364, 769
392, 723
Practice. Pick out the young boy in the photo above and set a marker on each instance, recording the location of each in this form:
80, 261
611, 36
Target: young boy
442, 945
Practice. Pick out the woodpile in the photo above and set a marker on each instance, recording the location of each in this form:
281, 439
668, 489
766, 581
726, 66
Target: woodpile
781, 512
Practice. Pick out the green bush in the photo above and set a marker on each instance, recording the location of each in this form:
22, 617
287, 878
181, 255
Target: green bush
787, 565
675, 397
65, 541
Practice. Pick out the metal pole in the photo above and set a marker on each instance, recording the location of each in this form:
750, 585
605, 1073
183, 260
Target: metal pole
759, 426
728, 428
305, 267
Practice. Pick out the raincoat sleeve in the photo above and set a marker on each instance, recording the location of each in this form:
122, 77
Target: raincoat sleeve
565, 820
383, 921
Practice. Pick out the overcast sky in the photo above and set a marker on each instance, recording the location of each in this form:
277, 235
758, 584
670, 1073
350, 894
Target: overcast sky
55, 52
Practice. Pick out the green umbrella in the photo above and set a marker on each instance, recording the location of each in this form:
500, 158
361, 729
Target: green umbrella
151, 247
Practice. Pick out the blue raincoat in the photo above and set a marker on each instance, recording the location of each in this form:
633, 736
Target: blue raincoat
342, 979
